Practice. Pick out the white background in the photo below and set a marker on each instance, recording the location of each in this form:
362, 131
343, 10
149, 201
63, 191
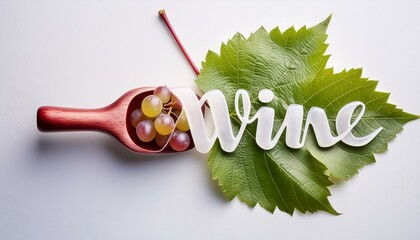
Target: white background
85, 185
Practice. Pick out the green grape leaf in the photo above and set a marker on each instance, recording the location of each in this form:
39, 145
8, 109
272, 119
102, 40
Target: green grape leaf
293, 65
331, 92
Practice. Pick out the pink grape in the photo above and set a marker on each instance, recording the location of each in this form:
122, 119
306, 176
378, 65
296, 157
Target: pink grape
176, 104
146, 131
163, 93
179, 141
136, 117
161, 140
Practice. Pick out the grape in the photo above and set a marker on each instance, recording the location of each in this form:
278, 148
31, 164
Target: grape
163, 93
164, 124
136, 117
145, 130
161, 140
182, 123
180, 141
176, 104
151, 106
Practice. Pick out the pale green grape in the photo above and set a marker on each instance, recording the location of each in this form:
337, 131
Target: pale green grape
164, 124
182, 122
151, 106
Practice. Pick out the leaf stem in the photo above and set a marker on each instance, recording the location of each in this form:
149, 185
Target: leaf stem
162, 14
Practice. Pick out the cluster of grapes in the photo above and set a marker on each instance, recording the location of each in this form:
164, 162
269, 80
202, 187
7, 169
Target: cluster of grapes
156, 119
